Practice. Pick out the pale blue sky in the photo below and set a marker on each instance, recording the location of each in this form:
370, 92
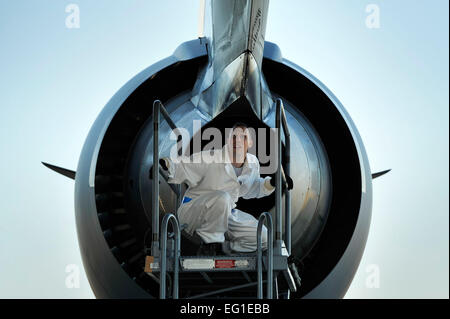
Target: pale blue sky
393, 81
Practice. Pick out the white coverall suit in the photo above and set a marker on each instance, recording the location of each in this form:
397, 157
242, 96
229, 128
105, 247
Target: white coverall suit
209, 203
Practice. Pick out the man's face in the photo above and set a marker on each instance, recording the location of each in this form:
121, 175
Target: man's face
240, 140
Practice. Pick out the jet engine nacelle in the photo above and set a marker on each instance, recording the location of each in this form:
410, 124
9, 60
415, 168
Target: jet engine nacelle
331, 199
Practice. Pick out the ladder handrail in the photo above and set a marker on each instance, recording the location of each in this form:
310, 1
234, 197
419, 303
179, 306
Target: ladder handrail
158, 108
155, 184
281, 123
156, 251
268, 218
176, 228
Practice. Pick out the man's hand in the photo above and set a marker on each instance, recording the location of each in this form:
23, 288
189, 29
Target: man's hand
290, 183
163, 164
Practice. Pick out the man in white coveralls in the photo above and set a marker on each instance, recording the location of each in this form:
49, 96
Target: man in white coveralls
216, 179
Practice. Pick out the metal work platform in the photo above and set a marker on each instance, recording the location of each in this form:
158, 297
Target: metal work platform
165, 257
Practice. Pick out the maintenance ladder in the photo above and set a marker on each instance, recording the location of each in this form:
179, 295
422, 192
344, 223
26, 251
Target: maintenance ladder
276, 255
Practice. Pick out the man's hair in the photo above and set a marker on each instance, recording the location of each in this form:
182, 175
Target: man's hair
239, 124
245, 129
